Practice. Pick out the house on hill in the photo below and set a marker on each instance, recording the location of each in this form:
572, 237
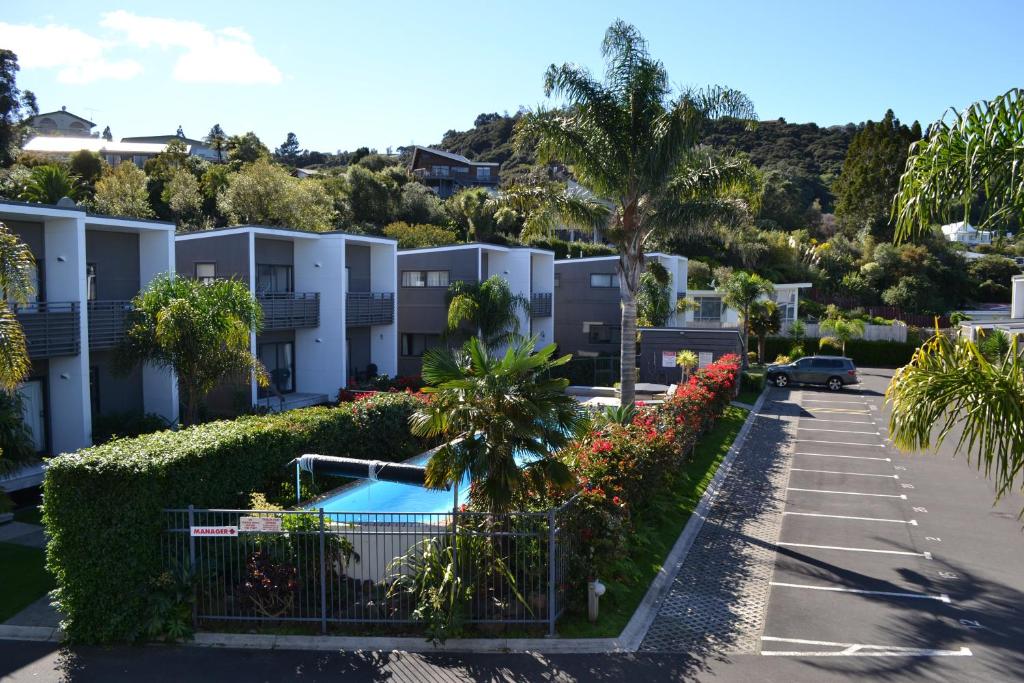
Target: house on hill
61, 122
966, 234
196, 148
446, 172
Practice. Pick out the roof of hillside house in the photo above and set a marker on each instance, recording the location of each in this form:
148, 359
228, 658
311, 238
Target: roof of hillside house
959, 226
64, 111
453, 156
164, 139
68, 145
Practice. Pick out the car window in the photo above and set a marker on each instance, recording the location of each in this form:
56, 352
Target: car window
803, 363
836, 363
820, 363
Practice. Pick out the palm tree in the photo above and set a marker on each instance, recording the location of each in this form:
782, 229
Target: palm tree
687, 361
970, 165
765, 320
489, 306
653, 305
740, 290
50, 183
548, 206
503, 419
217, 140
842, 330
17, 281
630, 142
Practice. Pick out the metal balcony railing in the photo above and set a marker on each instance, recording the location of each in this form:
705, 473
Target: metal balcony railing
108, 322
52, 328
540, 305
369, 308
710, 324
289, 310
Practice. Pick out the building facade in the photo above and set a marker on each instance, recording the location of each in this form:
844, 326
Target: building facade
966, 234
712, 313
587, 299
88, 268
114, 153
446, 173
61, 122
329, 309
425, 274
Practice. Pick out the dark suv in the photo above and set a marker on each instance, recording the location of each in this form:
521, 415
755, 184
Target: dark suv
834, 372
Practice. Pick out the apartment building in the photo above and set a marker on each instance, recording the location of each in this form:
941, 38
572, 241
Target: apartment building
588, 303
88, 268
713, 313
424, 277
446, 172
328, 302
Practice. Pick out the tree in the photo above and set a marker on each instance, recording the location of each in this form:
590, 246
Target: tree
629, 142
739, 291
371, 196
418, 204
963, 168
477, 214
842, 330
107, 135
503, 419
417, 236
765, 320
17, 281
687, 361
653, 299
263, 193
200, 331
245, 149
88, 166
991, 271
49, 184
546, 207
871, 175
122, 192
16, 108
489, 307
217, 140
289, 150
185, 200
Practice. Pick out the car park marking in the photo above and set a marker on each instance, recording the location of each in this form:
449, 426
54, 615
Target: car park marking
926, 555
941, 597
902, 496
848, 422
912, 522
850, 457
826, 400
846, 443
858, 650
852, 474
841, 431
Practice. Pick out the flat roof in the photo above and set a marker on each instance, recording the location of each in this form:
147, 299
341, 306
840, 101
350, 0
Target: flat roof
584, 259
65, 144
53, 209
475, 245
286, 231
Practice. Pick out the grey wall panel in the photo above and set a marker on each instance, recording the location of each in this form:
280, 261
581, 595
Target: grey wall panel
576, 302
654, 342
31, 233
117, 393
423, 309
229, 252
116, 256
358, 350
357, 260
274, 252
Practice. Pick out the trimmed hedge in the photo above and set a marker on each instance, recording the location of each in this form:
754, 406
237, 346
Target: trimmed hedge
869, 354
102, 505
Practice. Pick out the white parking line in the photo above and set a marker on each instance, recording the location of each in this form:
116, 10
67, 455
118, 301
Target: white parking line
926, 555
901, 496
823, 400
912, 522
858, 650
847, 443
845, 411
851, 457
825, 419
841, 431
941, 597
852, 474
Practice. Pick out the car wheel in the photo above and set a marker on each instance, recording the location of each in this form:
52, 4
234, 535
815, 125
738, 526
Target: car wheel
834, 384
781, 380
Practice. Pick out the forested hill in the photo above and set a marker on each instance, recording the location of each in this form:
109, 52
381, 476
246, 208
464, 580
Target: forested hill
804, 149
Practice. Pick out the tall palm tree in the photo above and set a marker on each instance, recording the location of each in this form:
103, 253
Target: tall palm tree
628, 140
50, 183
740, 290
503, 419
490, 307
970, 165
546, 207
842, 330
765, 320
17, 280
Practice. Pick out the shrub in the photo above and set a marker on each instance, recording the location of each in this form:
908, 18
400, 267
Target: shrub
753, 380
564, 249
418, 235
869, 354
103, 509
115, 425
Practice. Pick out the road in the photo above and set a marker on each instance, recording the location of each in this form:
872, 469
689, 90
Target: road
886, 566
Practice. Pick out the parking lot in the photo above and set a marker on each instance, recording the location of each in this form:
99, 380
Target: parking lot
889, 563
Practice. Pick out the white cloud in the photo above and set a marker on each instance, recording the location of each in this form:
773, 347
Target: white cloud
223, 56
78, 57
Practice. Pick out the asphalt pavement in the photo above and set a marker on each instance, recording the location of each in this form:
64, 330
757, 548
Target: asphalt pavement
886, 567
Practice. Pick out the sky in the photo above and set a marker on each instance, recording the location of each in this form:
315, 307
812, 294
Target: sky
386, 73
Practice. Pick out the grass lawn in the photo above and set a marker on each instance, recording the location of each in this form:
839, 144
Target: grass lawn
657, 531
23, 578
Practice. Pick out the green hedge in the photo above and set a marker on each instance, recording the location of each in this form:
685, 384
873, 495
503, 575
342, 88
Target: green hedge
102, 505
869, 354
564, 249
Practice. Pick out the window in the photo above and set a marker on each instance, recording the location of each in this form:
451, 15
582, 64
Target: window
279, 360
139, 160
460, 170
414, 345
603, 334
206, 272
483, 172
273, 279
604, 280
90, 281
424, 278
439, 170
710, 308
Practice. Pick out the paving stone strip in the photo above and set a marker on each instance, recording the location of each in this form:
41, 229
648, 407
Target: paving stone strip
717, 601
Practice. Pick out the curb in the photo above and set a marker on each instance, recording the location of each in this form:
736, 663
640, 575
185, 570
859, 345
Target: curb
41, 634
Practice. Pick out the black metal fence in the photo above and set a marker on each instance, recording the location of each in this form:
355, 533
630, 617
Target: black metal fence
371, 568
369, 308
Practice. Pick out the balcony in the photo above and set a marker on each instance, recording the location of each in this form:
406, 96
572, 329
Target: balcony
52, 328
709, 325
540, 305
369, 308
108, 321
289, 310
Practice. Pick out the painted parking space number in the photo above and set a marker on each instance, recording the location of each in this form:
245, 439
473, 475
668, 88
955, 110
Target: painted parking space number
920, 509
907, 486
933, 538
949, 575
